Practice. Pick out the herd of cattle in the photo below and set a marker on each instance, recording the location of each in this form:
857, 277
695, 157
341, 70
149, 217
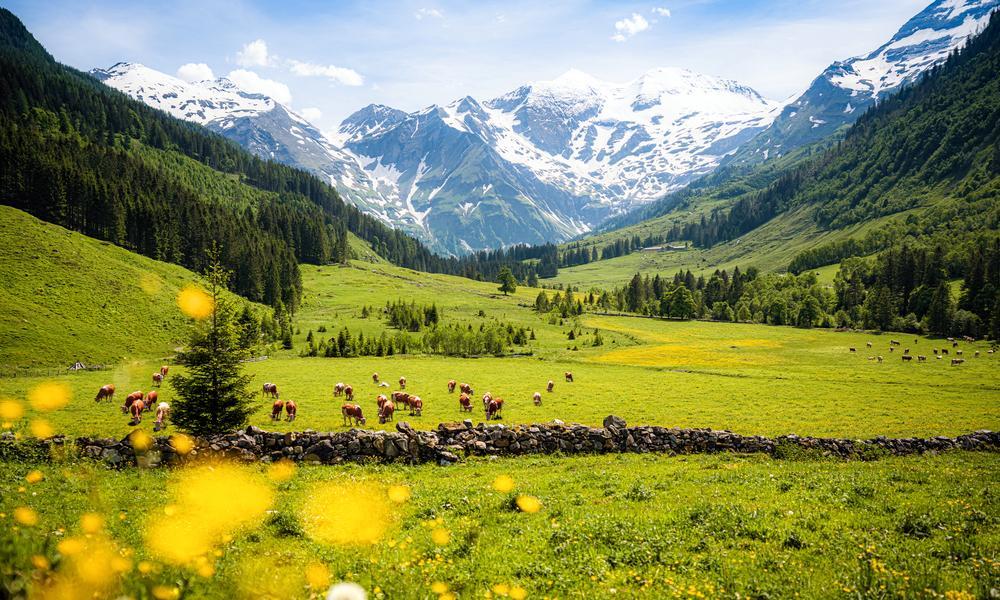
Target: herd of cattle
387, 405
938, 353
136, 403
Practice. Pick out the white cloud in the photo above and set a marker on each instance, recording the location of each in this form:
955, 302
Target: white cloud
252, 82
663, 12
428, 13
341, 75
195, 72
311, 113
626, 28
253, 54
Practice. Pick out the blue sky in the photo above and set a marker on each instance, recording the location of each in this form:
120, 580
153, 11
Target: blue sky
331, 58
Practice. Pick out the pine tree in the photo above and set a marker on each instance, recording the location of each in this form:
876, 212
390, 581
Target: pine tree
214, 395
940, 311
508, 284
682, 304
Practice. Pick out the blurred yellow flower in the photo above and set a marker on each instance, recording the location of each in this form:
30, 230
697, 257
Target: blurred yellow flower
503, 483
283, 470
145, 567
166, 592
447, 596
439, 587
399, 493
205, 570
141, 440
182, 443
518, 593
34, 476
317, 576
40, 562
26, 516
501, 589
346, 514
440, 536
11, 410
40, 428
528, 504
49, 396
70, 546
195, 303
91, 522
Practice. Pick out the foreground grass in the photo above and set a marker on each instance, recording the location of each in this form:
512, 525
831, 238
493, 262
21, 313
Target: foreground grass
632, 525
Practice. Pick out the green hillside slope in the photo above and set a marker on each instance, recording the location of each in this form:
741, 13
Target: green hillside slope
67, 297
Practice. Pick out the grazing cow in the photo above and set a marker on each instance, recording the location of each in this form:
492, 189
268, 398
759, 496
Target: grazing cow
270, 389
568, 376
871, 358
464, 403
950, 339
954, 344
550, 386
151, 398
907, 357
136, 411
957, 361
879, 358
944, 351
494, 408
162, 412
164, 370
891, 349
383, 384
894, 342
487, 398
976, 355
375, 378
853, 349
921, 358
465, 388
934, 351
385, 411
416, 406
352, 414
349, 393
906, 350
381, 400
338, 389
106, 392
157, 379
276, 409
869, 344
537, 399
968, 339
131, 399
938, 356
451, 386
291, 409
402, 383
958, 353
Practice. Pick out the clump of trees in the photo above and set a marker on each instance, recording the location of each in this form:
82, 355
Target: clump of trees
410, 316
492, 338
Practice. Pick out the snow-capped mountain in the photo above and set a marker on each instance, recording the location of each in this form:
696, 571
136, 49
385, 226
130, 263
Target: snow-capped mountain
258, 123
847, 88
552, 159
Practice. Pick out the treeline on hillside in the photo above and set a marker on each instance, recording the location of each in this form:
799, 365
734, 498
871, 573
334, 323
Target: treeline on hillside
70, 147
905, 288
492, 338
577, 254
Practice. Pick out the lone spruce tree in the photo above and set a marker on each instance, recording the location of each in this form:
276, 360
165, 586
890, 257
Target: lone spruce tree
214, 396
508, 284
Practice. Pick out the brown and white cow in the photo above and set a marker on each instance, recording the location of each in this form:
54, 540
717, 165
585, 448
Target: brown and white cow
338, 389
131, 399
907, 357
162, 412
151, 398
957, 361
375, 378
135, 410
349, 393
385, 411
465, 388
464, 403
451, 386
416, 406
353, 415
487, 398
402, 383
157, 379
291, 409
494, 408
164, 370
106, 392
270, 389
551, 385
276, 409
380, 400
569, 376
537, 399
401, 398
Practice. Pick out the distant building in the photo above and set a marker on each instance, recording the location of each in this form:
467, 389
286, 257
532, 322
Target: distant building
667, 248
